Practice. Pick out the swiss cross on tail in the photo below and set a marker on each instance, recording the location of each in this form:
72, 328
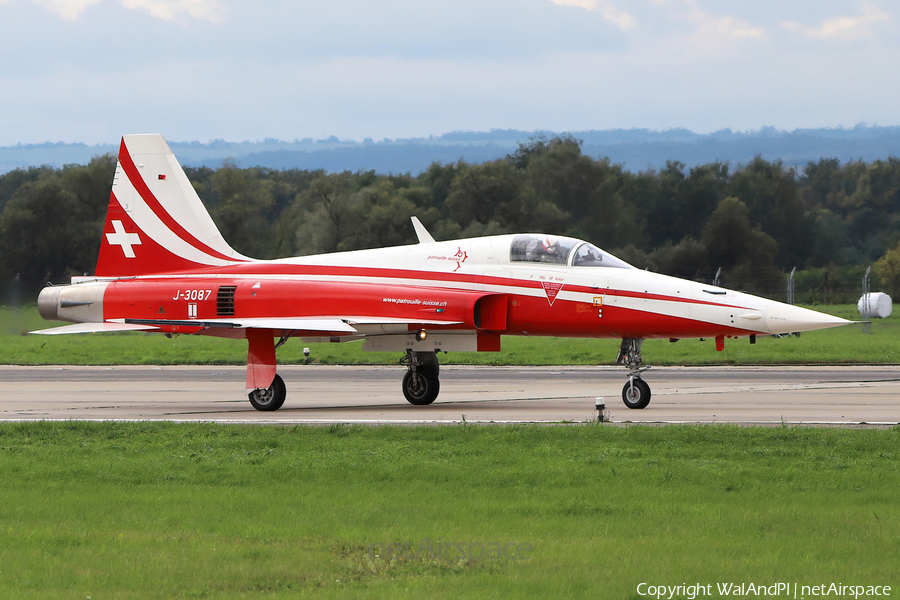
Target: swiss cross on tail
122, 238
551, 289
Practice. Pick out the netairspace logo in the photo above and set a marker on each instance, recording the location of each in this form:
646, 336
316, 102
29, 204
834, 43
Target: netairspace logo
785, 590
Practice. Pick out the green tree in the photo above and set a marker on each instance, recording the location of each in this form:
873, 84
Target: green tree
656, 194
888, 270
12, 181
387, 211
826, 184
774, 206
438, 179
734, 245
687, 259
728, 236
676, 205
47, 233
325, 213
585, 193
242, 210
485, 193
830, 238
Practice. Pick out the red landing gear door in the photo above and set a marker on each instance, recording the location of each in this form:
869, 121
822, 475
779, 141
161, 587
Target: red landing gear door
260, 358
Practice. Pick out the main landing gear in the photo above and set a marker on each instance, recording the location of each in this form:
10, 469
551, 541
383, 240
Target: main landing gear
271, 398
261, 367
636, 393
420, 383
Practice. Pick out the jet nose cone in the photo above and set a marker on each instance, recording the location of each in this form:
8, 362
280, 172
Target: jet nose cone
785, 318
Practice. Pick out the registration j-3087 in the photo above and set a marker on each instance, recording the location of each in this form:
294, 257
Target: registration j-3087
192, 295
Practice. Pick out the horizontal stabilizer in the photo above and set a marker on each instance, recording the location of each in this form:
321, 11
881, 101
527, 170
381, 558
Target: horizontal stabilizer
94, 328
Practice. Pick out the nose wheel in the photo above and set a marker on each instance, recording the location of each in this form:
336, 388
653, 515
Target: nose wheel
636, 393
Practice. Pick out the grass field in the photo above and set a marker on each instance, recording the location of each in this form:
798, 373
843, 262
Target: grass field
153, 510
840, 345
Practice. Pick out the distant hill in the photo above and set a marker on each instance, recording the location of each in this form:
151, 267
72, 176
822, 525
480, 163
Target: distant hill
637, 149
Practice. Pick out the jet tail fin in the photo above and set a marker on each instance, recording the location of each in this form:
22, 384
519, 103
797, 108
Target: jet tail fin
156, 222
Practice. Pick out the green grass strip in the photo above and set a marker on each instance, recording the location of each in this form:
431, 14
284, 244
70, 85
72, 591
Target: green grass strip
156, 510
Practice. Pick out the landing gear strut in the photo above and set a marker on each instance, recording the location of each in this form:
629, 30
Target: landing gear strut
421, 384
636, 393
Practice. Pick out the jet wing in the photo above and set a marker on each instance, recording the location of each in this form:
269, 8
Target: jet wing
306, 324
316, 324
395, 321
95, 328
330, 324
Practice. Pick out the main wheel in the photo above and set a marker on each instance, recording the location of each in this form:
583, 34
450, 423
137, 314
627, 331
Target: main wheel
271, 398
422, 387
636, 395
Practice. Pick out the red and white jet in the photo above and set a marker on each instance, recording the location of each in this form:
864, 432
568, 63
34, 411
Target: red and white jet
165, 267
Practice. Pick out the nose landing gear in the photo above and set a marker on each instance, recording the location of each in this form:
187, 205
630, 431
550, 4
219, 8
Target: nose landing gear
636, 393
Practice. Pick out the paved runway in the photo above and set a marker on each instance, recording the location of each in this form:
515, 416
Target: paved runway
832, 395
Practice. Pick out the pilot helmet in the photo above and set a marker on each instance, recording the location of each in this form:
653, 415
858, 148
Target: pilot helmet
549, 244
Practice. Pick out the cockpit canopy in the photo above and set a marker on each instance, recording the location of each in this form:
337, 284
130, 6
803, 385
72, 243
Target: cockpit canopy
553, 249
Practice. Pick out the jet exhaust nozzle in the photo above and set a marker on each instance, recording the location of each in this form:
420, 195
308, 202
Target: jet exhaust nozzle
76, 303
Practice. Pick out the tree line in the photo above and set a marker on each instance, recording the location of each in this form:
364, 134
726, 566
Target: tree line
756, 222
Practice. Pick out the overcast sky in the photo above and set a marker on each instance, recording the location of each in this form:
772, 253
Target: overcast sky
92, 70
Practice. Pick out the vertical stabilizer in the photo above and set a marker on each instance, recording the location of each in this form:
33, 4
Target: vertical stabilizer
155, 222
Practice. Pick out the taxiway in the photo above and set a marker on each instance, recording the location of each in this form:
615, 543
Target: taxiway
824, 395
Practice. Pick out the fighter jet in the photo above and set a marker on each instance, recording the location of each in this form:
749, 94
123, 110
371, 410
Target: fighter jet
164, 267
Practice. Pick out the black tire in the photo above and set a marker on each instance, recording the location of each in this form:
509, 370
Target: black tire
637, 396
423, 388
271, 398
